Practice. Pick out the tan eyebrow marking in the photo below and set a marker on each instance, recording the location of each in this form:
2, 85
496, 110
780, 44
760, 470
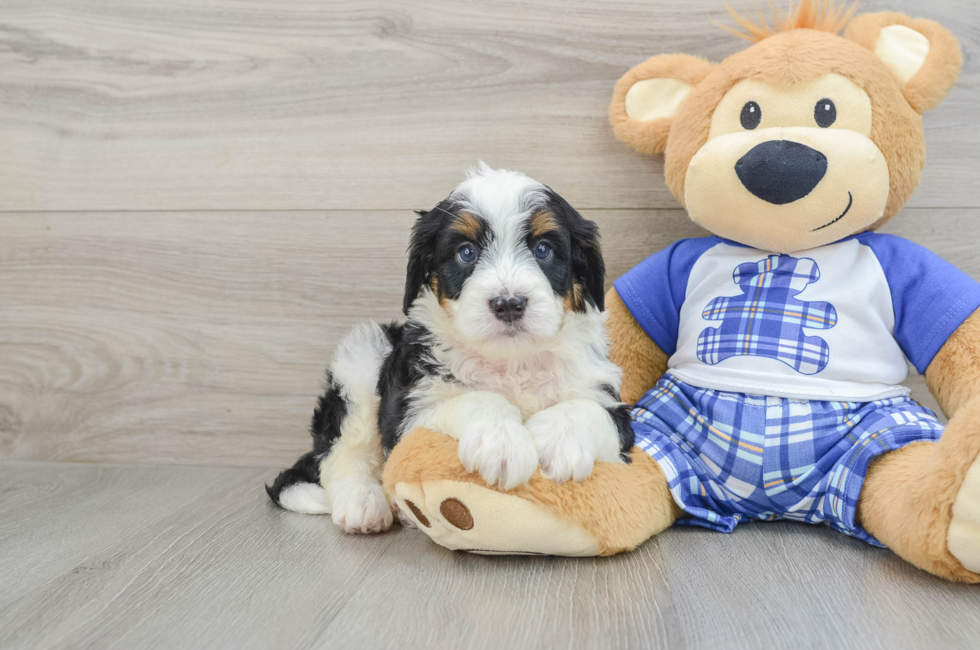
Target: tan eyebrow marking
575, 300
467, 225
542, 222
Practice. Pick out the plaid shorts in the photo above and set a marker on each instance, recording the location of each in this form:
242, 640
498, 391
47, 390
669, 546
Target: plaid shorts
729, 456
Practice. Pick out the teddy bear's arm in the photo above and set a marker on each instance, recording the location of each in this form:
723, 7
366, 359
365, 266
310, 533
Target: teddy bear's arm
642, 361
953, 376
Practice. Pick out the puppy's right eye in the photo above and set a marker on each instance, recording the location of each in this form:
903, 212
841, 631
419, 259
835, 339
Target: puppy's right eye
466, 254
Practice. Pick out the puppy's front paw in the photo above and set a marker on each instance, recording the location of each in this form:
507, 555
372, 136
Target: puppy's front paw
360, 508
570, 437
501, 450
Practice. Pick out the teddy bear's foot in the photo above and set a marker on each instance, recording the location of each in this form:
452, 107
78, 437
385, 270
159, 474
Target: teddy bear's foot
963, 537
493, 523
923, 500
618, 507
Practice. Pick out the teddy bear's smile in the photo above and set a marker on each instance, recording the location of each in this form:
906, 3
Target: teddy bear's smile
850, 202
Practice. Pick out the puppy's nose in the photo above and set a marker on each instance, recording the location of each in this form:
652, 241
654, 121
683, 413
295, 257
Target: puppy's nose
508, 308
781, 171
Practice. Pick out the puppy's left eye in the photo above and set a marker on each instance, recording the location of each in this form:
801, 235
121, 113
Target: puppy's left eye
542, 251
466, 254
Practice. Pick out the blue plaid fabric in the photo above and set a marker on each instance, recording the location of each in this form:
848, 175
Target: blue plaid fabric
767, 320
729, 456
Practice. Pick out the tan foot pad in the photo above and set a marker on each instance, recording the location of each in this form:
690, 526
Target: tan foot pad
963, 538
466, 517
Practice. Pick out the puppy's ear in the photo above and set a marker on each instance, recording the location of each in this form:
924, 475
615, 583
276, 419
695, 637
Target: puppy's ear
922, 55
422, 253
588, 267
587, 263
647, 97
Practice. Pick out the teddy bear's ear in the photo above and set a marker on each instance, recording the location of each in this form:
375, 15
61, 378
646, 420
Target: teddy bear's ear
921, 54
647, 97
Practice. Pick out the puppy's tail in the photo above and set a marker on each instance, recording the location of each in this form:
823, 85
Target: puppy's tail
298, 488
349, 404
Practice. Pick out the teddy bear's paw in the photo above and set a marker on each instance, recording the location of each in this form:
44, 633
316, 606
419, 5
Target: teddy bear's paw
500, 450
360, 507
468, 517
963, 537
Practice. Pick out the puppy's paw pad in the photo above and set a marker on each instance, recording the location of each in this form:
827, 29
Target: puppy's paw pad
362, 510
500, 450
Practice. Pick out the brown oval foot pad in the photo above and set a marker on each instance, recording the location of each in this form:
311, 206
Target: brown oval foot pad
465, 516
456, 513
422, 520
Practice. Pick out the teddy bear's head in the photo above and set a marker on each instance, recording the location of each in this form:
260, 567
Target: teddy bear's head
802, 139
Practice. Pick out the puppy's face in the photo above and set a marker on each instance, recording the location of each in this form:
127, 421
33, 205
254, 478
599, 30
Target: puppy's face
506, 259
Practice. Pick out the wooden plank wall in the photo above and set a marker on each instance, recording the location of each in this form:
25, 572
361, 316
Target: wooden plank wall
198, 197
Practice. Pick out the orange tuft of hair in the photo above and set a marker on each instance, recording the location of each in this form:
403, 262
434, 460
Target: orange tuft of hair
822, 15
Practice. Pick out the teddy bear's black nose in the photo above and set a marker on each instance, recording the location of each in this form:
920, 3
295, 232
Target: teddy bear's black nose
781, 171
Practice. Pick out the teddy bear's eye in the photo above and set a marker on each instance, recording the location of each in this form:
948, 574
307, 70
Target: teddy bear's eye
825, 113
751, 115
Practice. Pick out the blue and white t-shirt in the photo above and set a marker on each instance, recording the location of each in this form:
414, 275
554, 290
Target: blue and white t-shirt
833, 323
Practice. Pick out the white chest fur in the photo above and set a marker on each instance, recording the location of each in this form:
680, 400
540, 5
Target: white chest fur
573, 365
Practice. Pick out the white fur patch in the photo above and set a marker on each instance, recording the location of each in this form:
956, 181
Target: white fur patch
503, 197
500, 450
308, 498
360, 506
357, 362
571, 436
351, 472
572, 364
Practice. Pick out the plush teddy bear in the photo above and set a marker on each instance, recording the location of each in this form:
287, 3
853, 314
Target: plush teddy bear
766, 361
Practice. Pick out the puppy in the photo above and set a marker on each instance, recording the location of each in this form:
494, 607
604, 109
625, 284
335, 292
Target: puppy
503, 349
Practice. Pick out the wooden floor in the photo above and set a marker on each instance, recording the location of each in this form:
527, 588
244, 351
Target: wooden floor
197, 197
99, 556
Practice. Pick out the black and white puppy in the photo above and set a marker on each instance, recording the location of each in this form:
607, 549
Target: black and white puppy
503, 349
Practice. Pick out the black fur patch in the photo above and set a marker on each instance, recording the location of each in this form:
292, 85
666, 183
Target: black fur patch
305, 470
409, 362
582, 264
328, 416
558, 269
437, 236
627, 438
621, 418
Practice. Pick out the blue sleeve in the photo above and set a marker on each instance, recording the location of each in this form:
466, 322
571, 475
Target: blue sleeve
654, 289
931, 297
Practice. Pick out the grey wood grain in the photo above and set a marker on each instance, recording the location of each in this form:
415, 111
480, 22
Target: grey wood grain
229, 570
201, 338
57, 516
219, 104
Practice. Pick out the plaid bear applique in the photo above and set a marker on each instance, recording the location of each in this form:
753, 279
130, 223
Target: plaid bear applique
767, 320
